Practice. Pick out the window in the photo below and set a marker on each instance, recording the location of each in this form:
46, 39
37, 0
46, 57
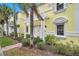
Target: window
60, 6
60, 29
26, 28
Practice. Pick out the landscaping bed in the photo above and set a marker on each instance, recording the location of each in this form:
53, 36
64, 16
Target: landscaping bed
69, 47
28, 52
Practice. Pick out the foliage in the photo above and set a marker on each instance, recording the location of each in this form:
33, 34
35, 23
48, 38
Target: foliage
40, 45
37, 40
27, 35
22, 35
49, 39
67, 47
5, 41
25, 42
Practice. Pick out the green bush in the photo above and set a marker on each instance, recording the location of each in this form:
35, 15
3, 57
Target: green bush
40, 45
6, 41
27, 35
49, 39
37, 40
26, 42
22, 35
65, 47
19, 39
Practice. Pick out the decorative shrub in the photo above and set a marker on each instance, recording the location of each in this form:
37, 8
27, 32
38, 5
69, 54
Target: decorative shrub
40, 45
67, 47
6, 41
49, 39
27, 35
22, 35
19, 39
37, 40
26, 42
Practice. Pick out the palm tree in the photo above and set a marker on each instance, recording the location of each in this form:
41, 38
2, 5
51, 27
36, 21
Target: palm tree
33, 9
15, 27
5, 11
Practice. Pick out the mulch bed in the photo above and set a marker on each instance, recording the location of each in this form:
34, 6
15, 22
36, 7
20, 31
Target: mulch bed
26, 51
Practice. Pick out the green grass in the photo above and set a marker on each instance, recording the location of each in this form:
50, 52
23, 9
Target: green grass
6, 41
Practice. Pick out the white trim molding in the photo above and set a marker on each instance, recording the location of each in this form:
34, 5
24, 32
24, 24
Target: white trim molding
72, 34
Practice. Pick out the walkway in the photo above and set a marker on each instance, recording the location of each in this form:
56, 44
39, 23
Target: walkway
12, 46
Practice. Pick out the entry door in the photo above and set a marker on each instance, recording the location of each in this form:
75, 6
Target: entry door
37, 31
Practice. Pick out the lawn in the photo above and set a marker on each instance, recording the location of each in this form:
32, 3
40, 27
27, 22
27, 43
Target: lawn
6, 41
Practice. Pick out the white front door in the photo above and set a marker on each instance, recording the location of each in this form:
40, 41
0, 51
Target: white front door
37, 31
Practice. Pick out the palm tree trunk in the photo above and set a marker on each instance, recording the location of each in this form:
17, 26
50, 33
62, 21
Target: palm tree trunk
3, 29
15, 27
31, 28
7, 27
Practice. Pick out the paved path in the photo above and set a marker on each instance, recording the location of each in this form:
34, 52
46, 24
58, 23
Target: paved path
12, 46
1, 52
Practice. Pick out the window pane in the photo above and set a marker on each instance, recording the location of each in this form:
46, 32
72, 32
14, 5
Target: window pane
60, 29
60, 6
26, 28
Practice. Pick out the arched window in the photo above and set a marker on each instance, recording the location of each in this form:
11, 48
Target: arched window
60, 25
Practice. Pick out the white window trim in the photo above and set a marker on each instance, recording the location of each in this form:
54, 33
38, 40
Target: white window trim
61, 36
55, 6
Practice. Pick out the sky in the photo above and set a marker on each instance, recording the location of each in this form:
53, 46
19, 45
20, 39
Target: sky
11, 6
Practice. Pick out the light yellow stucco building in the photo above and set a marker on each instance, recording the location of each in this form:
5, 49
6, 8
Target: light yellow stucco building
60, 19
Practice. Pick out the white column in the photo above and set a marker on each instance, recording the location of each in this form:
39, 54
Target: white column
25, 24
43, 30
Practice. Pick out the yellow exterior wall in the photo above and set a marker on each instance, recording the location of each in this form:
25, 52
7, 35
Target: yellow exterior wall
69, 13
21, 17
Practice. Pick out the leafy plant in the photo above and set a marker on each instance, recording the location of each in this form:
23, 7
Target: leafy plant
5, 41
67, 47
49, 39
27, 35
40, 45
37, 40
26, 42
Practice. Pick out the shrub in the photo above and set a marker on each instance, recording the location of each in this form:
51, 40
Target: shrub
50, 39
22, 35
6, 41
67, 47
37, 40
19, 39
40, 45
27, 35
25, 42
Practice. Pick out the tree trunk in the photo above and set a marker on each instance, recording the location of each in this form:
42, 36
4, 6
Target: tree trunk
15, 27
31, 28
7, 27
3, 29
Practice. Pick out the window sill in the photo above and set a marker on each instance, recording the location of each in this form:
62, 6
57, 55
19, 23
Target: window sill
62, 10
60, 36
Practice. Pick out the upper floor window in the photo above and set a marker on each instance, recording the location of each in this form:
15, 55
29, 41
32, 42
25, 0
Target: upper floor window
60, 6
